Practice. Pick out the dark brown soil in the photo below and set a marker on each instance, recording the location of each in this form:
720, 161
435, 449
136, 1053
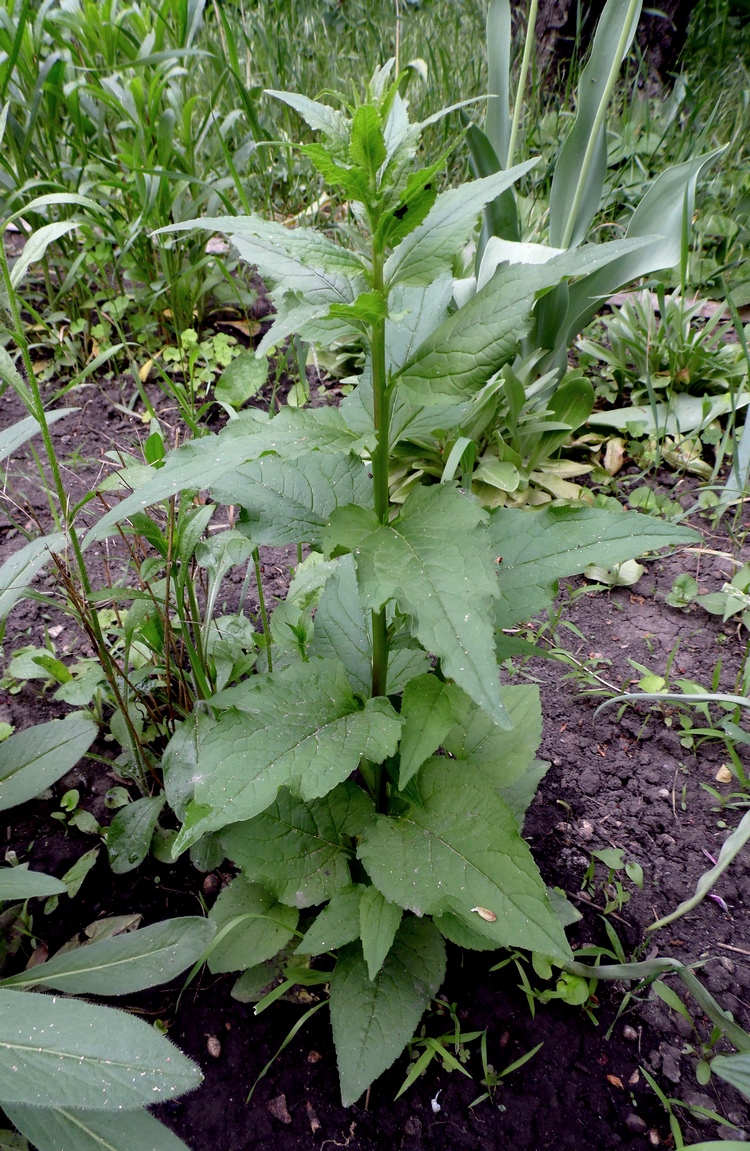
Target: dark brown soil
627, 783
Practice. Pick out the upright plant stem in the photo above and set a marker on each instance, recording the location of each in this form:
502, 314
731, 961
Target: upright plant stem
526, 60
262, 605
380, 474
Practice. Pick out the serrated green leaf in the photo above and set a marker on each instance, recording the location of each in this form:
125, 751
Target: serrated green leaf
366, 144
199, 464
429, 708
457, 849
461, 354
503, 755
285, 503
533, 550
297, 260
124, 964
180, 760
36, 758
130, 833
301, 728
301, 851
379, 921
352, 182
374, 1019
20, 883
457, 931
433, 560
241, 379
337, 924
65, 1053
415, 313
268, 928
67, 1129
321, 117
428, 251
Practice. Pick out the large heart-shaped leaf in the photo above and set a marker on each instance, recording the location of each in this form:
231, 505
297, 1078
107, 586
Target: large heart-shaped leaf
459, 850
434, 561
300, 728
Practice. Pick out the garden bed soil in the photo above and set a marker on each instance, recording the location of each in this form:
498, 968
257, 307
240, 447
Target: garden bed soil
612, 782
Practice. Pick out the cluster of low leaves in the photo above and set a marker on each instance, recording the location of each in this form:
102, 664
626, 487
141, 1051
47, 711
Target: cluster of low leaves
371, 788
73, 1074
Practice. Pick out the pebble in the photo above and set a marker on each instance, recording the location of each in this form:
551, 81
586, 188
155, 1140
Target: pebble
663, 793
670, 1063
214, 1046
629, 1033
653, 1137
634, 1122
211, 884
413, 1127
279, 1109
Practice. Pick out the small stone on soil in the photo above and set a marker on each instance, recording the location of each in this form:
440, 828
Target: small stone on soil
279, 1109
634, 1122
312, 1117
211, 884
413, 1127
629, 1033
214, 1046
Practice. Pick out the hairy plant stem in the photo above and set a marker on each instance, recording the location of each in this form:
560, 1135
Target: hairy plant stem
262, 605
380, 459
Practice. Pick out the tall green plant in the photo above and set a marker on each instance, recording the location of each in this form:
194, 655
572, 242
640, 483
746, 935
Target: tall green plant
372, 787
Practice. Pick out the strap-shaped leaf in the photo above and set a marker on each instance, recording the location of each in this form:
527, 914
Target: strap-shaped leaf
20, 883
34, 759
301, 851
337, 924
533, 551
199, 464
582, 164
300, 728
64, 1053
263, 928
428, 251
434, 561
68, 1129
19, 570
126, 963
457, 850
287, 503
374, 1019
